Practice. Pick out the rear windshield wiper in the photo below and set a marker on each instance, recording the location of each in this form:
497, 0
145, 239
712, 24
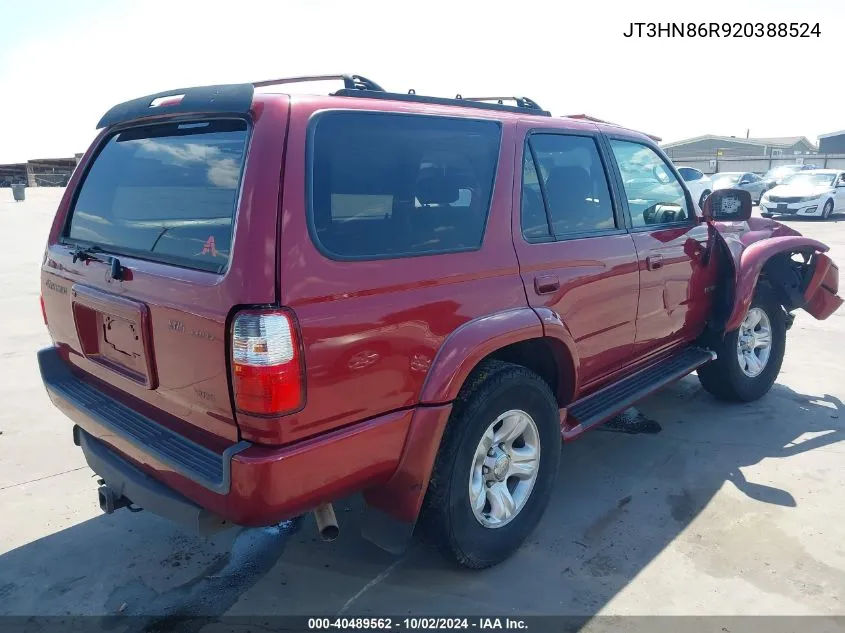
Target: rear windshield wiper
88, 254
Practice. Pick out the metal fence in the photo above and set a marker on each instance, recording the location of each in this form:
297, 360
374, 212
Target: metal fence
759, 164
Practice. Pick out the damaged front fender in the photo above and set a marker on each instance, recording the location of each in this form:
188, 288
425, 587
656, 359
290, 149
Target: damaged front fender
796, 267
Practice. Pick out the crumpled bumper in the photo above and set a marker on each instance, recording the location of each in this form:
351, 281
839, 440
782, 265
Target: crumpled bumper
820, 294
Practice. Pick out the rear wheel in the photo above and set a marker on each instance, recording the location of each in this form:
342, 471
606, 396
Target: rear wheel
828, 209
703, 197
749, 358
496, 467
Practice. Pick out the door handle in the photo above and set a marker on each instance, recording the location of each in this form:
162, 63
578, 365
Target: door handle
545, 284
653, 262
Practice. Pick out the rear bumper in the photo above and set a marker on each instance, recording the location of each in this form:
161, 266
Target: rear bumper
142, 490
246, 484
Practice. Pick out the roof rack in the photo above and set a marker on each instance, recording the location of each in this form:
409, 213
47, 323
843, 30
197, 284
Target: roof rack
521, 102
522, 105
350, 82
236, 99
587, 117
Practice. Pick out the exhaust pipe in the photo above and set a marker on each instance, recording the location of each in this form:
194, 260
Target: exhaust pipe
326, 522
110, 500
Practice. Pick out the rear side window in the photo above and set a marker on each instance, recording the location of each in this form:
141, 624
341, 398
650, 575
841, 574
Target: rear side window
165, 193
392, 185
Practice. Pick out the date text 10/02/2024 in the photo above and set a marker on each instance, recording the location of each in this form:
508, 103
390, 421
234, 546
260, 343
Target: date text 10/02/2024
722, 29
416, 624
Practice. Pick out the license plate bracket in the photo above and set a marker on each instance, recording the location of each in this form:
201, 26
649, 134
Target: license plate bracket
114, 332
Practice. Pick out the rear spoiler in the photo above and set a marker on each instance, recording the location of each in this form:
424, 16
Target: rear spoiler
227, 99
234, 99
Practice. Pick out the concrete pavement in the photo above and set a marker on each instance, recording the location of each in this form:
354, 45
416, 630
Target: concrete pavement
729, 509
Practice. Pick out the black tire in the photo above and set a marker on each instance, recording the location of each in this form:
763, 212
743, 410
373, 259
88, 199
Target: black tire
766, 215
703, 197
447, 518
827, 210
725, 379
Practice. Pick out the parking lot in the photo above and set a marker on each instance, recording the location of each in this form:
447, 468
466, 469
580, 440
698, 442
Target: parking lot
726, 510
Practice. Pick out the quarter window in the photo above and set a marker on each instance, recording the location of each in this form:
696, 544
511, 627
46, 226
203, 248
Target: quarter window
655, 196
564, 187
393, 185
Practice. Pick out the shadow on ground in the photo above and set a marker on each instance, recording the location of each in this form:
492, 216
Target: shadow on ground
621, 500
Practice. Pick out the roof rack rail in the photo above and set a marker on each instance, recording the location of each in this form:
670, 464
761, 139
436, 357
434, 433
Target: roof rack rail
350, 82
236, 99
521, 102
523, 105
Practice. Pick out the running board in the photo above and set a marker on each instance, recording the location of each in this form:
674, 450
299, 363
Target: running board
602, 405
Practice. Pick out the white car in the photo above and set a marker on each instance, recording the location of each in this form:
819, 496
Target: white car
697, 182
815, 193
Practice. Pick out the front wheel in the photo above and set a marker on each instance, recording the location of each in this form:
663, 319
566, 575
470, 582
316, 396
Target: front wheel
827, 210
496, 467
703, 197
749, 358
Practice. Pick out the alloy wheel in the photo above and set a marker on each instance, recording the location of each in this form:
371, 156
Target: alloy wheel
504, 468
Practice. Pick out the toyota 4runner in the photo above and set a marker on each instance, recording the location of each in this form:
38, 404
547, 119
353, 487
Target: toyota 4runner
260, 303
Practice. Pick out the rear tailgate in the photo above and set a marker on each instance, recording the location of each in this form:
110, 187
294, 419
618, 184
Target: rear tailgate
189, 208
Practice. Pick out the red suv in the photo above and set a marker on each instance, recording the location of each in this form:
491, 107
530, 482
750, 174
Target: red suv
260, 303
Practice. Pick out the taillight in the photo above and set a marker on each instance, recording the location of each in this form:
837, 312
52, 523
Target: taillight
43, 310
266, 371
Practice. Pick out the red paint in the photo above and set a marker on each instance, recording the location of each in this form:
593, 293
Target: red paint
750, 263
821, 291
270, 484
672, 309
402, 496
470, 343
378, 339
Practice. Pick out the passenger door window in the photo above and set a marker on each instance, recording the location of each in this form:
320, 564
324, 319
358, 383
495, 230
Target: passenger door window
654, 194
564, 188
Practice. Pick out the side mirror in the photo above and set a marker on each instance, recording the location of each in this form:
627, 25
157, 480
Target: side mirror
730, 205
841, 183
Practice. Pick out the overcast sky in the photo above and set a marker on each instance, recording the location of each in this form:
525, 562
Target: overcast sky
64, 62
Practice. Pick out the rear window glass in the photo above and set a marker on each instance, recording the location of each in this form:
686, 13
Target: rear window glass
165, 192
392, 185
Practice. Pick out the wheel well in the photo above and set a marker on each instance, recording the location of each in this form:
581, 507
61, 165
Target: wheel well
788, 274
546, 357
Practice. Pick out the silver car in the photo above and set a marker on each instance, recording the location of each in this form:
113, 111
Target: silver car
752, 183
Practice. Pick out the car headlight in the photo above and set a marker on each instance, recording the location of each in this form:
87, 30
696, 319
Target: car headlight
808, 198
